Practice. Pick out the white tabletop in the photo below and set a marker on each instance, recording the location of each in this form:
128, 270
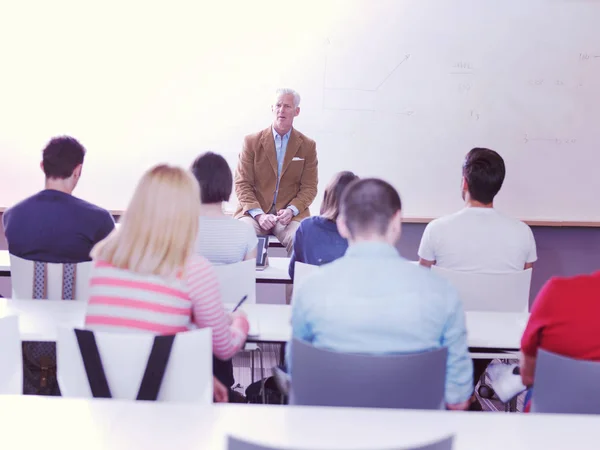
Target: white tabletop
33, 422
4, 261
487, 330
39, 320
276, 272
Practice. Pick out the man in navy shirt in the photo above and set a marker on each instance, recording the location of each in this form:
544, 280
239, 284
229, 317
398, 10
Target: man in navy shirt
53, 225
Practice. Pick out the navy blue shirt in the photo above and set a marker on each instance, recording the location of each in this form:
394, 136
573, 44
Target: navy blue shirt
52, 226
317, 242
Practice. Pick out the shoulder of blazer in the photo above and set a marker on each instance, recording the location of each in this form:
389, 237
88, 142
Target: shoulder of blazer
304, 138
258, 136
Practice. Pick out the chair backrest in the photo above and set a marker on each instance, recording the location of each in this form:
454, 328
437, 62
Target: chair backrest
326, 378
239, 444
11, 357
188, 377
22, 279
302, 271
502, 292
564, 385
237, 280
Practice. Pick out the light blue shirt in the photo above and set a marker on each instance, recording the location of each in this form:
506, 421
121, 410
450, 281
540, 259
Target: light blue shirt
281, 143
374, 301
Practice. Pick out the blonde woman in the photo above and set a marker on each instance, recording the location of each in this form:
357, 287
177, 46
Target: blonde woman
146, 277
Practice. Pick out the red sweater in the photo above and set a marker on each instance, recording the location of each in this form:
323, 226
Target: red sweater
565, 319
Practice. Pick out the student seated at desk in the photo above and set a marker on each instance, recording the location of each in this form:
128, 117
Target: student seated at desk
371, 300
478, 238
222, 239
565, 319
53, 225
317, 240
146, 278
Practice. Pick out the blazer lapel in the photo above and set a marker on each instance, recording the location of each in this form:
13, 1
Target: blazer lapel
291, 150
268, 144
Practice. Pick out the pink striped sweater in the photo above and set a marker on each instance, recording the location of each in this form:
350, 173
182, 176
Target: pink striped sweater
125, 301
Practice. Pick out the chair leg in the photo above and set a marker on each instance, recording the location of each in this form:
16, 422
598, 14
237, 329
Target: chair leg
262, 375
252, 366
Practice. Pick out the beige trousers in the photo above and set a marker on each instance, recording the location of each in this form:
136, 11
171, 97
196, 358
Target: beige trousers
286, 235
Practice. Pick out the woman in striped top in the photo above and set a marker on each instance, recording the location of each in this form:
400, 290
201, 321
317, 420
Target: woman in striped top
146, 277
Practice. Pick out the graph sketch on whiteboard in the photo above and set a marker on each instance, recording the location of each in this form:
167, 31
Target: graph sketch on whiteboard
357, 98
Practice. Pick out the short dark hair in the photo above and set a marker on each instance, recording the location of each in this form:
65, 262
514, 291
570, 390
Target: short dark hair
214, 177
330, 208
484, 172
369, 205
61, 156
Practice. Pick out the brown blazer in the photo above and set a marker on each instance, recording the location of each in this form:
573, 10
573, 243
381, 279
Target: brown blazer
256, 174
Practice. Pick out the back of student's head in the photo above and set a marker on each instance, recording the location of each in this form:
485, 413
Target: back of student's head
369, 207
61, 156
330, 207
214, 177
159, 227
484, 172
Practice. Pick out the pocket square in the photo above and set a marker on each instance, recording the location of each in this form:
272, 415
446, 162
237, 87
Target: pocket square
296, 158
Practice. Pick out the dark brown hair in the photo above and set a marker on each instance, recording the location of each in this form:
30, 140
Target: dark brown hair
330, 208
369, 205
484, 172
214, 177
61, 156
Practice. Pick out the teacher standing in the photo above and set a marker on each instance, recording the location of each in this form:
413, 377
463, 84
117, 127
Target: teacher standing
276, 177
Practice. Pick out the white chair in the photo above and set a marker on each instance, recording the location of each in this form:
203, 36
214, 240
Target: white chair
503, 292
11, 358
235, 281
302, 271
22, 279
188, 376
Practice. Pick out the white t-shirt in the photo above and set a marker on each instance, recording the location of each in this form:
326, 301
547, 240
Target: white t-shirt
224, 240
478, 240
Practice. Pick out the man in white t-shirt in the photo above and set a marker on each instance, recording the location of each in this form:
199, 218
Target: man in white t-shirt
478, 238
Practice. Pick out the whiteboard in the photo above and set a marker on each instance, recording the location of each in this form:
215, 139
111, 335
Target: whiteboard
398, 89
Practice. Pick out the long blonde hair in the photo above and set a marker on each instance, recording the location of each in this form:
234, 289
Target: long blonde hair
158, 230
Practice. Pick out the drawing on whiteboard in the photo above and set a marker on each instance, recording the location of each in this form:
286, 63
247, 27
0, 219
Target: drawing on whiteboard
527, 139
387, 77
356, 98
583, 57
462, 68
474, 115
542, 82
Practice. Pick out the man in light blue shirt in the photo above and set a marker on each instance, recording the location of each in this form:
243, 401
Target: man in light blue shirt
374, 301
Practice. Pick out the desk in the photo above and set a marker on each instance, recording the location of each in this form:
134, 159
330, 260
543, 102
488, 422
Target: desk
94, 424
485, 330
4, 263
270, 323
276, 273
40, 319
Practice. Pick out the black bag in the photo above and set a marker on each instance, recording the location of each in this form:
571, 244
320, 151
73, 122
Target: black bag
39, 368
272, 394
39, 358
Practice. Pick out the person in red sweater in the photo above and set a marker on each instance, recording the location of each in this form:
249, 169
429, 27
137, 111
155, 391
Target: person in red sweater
565, 319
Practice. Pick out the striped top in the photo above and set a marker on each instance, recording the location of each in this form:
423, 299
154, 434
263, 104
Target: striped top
124, 301
223, 240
